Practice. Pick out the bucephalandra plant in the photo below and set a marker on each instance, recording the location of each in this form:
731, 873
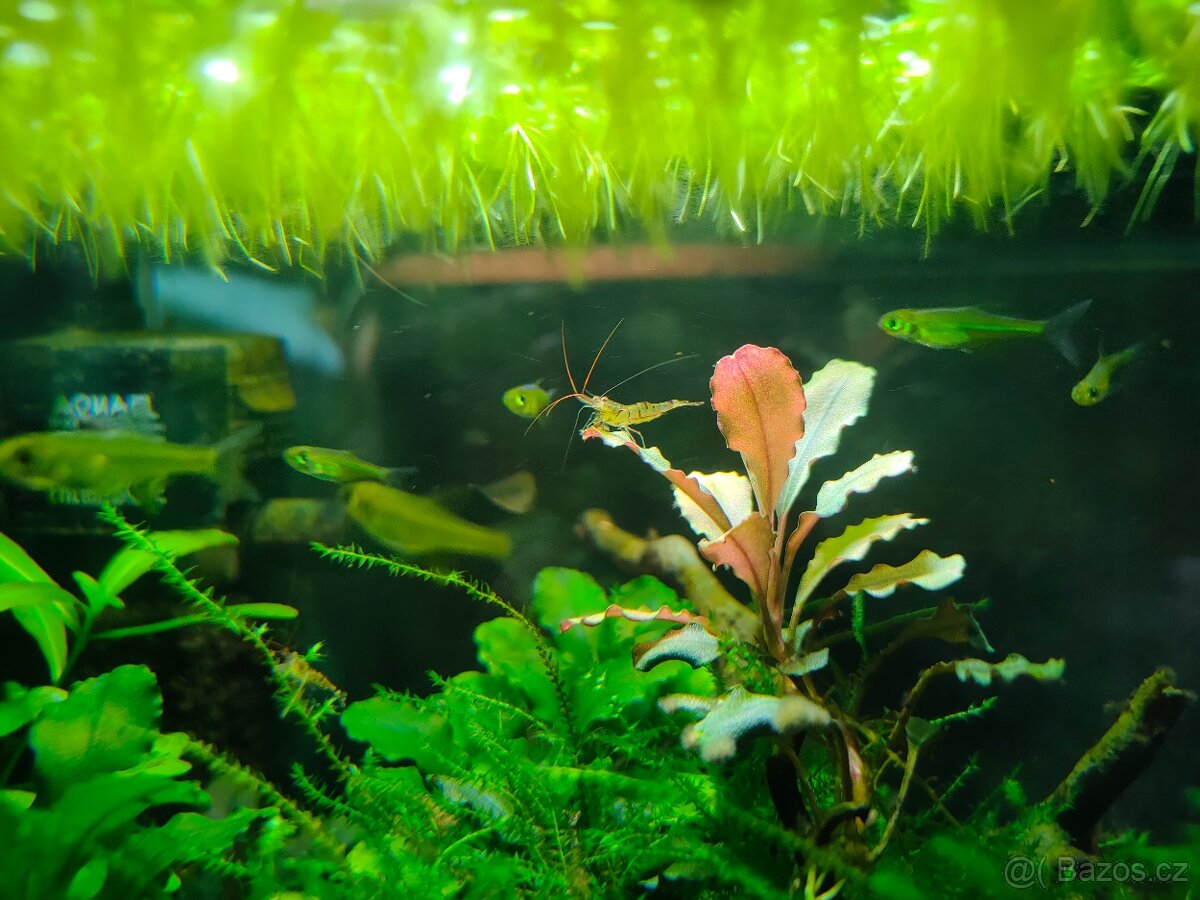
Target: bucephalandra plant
751, 522
756, 524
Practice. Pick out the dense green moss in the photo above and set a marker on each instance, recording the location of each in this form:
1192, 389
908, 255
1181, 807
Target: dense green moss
282, 129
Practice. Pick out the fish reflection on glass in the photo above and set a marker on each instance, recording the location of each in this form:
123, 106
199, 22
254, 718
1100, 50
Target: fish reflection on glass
111, 464
527, 400
340, 466
414, 525
1098, 382
185, 297
968, 328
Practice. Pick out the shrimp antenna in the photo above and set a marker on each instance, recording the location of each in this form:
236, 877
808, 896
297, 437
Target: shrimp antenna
599, 352
575, 390
567, 362
574, 428
657, 365
553, 403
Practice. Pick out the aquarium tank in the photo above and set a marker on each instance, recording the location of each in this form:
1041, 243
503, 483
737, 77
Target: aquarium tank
578, 448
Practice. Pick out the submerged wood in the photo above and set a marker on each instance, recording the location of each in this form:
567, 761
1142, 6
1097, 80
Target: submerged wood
1104, 772
675, 559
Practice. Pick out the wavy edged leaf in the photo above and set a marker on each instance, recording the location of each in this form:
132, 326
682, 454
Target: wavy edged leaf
509, 651
95, 819
1012, 666
733, 494
107, 724
400, 730
760, 407
927, 570
692, 644
954, 623
740, 714
832, 497
21, 706
851, 545
130, 564
746, 549
806, 664
613, 611
653, 457
838, 395
561, 594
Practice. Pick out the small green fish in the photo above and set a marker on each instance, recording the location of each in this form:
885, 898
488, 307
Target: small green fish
415, 525
968, 327
113, 463
340, 466
527, 400
1097, 383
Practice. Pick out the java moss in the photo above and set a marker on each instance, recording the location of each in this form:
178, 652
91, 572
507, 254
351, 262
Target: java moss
285, 131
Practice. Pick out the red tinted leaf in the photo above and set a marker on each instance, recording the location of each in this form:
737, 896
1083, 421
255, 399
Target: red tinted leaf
746, 550
613, 611
760, 411
653, 457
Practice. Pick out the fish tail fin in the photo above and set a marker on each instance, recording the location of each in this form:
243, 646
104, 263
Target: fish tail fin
1060, 331
495, 543
230, 454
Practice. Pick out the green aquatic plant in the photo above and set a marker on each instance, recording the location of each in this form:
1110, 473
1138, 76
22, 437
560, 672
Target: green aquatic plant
556, 770
551, 772
63, 624
846, 774
281, 132
115, 808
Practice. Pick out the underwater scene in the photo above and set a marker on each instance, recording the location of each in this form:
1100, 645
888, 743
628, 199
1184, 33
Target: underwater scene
567, 448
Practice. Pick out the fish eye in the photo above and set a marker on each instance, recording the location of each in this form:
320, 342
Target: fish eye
519, 400
891, 323
23, 456
1093, 393
304, 458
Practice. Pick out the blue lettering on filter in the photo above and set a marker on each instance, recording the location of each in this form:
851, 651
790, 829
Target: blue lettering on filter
106, 412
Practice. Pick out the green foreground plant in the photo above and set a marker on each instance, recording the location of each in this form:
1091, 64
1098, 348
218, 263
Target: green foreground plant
559, 769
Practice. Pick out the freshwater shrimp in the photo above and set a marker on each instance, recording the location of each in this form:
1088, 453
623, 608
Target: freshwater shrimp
311, 687
607, 414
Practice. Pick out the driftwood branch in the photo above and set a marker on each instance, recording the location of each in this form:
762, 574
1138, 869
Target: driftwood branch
674, 559
1074, 809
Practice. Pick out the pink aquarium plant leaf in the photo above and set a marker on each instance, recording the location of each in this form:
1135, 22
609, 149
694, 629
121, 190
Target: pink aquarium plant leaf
760, 410
746, 550
653, 457
613, 611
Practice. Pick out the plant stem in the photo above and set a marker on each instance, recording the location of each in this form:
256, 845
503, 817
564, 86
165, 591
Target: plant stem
910, 767
804, 528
